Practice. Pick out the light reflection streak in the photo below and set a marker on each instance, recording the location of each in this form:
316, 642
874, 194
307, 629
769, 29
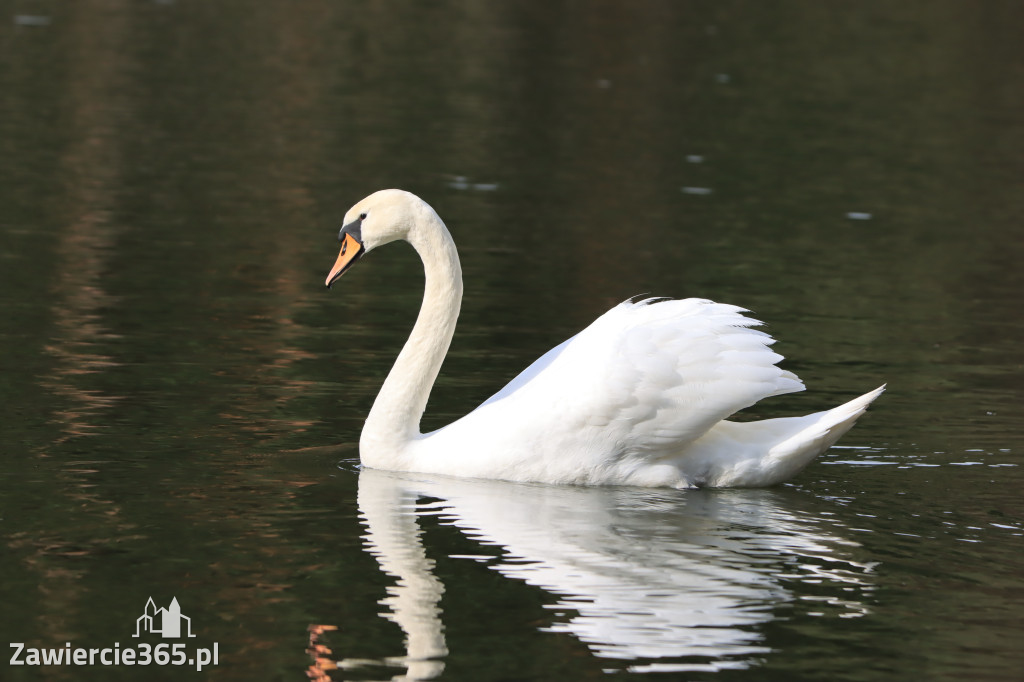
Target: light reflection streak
661, 580
95, 109
92, 166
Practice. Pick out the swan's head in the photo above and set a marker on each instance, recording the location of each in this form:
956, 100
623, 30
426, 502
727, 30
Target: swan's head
382, 217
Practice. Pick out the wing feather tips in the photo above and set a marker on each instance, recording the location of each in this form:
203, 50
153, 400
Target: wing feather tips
676, 366
708, 341
788, 383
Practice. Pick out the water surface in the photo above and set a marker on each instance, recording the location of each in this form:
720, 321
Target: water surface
182, 398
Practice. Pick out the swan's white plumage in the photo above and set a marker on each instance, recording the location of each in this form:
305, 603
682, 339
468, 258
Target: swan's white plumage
639, 397
622, 394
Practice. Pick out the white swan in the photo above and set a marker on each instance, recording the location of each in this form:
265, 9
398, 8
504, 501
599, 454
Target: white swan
639, 397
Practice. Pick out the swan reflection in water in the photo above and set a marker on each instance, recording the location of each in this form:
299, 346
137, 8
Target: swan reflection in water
661, 580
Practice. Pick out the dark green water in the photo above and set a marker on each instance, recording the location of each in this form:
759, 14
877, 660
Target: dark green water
181, 396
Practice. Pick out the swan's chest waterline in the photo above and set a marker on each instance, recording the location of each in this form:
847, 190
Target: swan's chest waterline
519, 458
505, 440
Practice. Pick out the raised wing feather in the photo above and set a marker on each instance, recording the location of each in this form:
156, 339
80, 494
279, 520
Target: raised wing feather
649, 377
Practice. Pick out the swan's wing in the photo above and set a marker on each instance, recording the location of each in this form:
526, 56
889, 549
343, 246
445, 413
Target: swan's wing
647, 377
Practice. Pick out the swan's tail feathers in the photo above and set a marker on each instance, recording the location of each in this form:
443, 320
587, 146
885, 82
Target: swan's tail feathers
769, 451
822, 431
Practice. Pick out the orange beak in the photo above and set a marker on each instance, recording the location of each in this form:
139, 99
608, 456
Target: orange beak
351, 249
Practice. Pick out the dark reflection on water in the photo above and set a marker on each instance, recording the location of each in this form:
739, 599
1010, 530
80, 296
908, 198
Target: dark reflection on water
178, 388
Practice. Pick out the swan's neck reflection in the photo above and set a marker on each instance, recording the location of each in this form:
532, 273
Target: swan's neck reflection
664, 580
394, 538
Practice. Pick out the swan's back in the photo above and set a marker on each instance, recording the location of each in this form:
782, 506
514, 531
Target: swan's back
620, 400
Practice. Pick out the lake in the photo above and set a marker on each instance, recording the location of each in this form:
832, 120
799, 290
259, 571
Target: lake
183, 398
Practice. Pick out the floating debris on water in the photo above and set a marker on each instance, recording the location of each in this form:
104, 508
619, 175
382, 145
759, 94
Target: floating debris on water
31, 20
460, 182
697, 190
857, 215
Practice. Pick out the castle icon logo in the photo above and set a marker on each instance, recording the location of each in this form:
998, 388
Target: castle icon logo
165, 622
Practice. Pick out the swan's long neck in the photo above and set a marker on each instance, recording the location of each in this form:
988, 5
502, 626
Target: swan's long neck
394, 420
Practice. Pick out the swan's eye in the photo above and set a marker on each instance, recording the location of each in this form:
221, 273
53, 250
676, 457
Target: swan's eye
362, 216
